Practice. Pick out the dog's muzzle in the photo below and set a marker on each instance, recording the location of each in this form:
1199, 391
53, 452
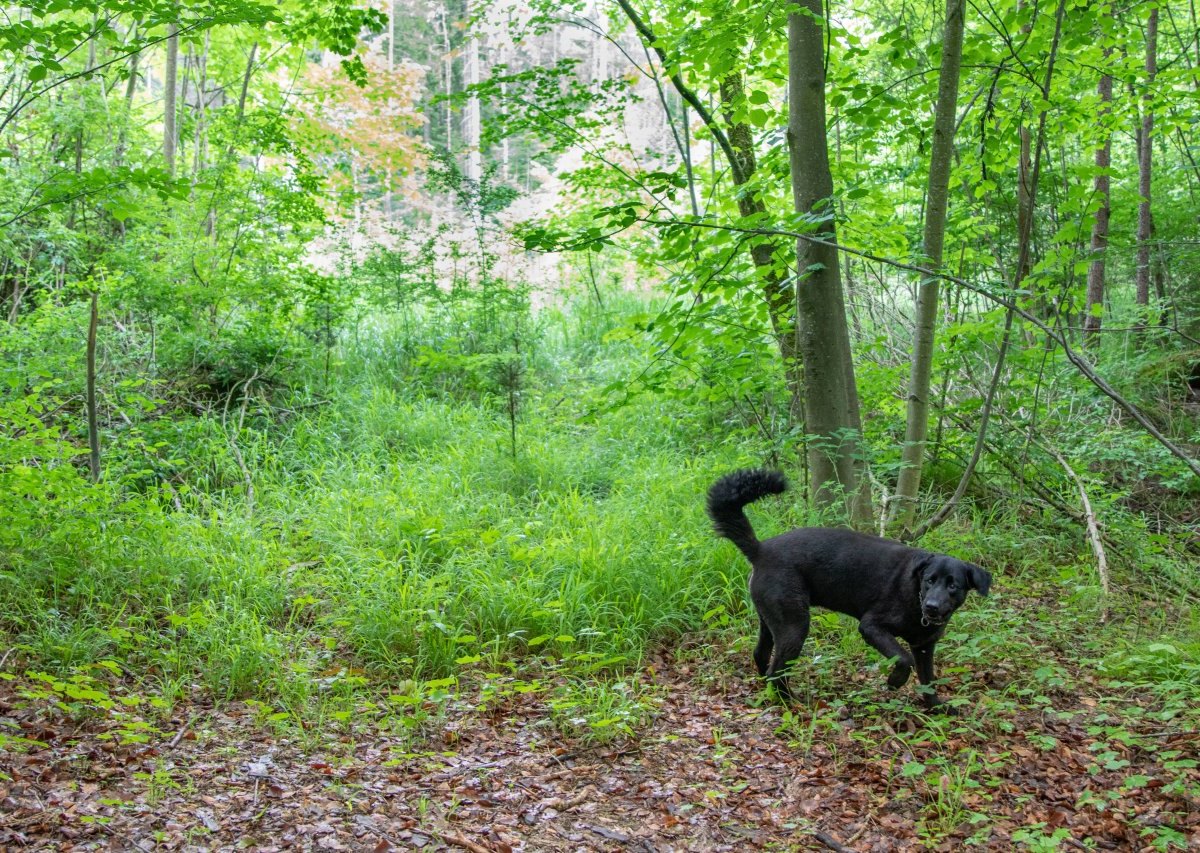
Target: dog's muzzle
928, 621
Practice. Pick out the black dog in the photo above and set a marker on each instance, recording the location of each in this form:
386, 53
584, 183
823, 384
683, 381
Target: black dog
893, 590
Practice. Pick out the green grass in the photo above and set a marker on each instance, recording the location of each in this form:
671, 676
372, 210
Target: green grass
392, 539
390, 532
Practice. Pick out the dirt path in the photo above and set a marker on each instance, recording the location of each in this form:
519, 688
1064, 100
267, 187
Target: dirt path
710, 772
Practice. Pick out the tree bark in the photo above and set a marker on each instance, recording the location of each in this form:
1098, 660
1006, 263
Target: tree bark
169, 81
199, 145
1145, 223
775, 290
93, 421
447, 74
473, 121
130, 89
1024, 170
830, 400
940, 161
1094, 309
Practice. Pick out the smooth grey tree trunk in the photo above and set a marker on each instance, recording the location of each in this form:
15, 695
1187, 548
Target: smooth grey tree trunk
473, 120
1145, 223
169, 83
93, 420
200, 141
1093, 312
130, 90
1024, 263
940, 160
830, 400
447, 73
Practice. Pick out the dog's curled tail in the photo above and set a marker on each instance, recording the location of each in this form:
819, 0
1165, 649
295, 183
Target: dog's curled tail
732, 492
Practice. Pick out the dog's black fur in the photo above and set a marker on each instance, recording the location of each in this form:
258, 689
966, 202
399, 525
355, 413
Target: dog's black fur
892, 589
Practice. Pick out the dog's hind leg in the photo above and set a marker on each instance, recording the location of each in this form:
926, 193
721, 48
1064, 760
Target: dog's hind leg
762, 652
789, 643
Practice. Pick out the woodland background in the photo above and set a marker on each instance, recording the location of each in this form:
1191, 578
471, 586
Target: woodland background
363, 368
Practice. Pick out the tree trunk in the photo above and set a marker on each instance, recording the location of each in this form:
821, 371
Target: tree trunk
473, 120
391, 66
776, 293
1024, 188
830, 401
391, 35
940, 160
1145, 223
93, 422
1024, 253
447, 75
91, 63
1024, 172
1095, 282
169, 81
201, 135
130, 89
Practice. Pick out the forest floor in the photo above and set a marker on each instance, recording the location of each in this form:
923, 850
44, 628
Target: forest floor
713, 768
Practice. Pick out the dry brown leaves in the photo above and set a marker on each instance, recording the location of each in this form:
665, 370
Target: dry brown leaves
710, 773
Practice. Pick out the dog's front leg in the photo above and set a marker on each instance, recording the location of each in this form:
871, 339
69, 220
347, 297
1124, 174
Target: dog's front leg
924, 658
898, 677
890, 647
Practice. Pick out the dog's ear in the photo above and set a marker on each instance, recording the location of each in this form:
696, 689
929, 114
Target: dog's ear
921, 561
979, 578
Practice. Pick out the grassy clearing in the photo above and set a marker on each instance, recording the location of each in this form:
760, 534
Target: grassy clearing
373, 536
387, 536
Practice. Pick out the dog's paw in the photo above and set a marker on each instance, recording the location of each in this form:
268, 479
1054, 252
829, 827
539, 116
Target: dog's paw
934, 705
899, 676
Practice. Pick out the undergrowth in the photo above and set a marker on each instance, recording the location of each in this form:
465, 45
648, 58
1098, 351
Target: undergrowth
370, 546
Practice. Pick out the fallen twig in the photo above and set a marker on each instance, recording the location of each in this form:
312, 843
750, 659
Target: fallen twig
1093, 528
829, 842
610, 834
183, 730
588, 793
457, 840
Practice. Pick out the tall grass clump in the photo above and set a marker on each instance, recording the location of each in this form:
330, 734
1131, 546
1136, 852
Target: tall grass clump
381, 522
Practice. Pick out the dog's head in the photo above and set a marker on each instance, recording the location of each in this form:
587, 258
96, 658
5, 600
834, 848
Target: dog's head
945, 583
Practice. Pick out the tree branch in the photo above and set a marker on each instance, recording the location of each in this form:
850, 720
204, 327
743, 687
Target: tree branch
686, 93
1081, 364
22, 104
